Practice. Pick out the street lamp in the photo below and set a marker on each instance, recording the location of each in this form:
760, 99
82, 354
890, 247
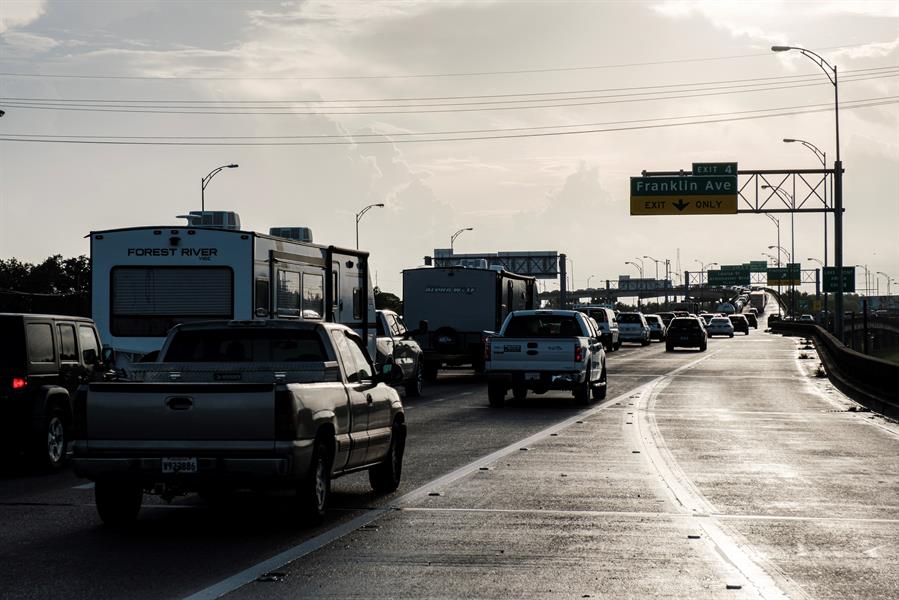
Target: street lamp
887, 277
205, 181
457, 234
701, 288
588, 280
657, 265
781, 249
831, 72
772, 258
359, 216
640, 270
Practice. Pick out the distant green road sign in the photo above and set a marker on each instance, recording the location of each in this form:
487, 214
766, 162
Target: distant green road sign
830, 279
758, 266
789, 275
738, 276
713, 169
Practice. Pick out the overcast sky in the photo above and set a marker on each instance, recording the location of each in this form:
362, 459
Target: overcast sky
550, 192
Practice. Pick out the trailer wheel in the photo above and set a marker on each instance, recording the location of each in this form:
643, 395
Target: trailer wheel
118, 502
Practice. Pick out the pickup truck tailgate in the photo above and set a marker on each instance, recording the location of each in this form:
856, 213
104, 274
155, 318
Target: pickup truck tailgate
180, 411
529, 354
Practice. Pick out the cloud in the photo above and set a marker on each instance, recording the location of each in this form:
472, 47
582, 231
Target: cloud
18, 13
21, 42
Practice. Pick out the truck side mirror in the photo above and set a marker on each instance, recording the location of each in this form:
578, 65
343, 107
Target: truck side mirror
109, 355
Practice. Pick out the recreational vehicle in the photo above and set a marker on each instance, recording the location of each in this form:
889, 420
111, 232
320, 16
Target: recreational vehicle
145, 280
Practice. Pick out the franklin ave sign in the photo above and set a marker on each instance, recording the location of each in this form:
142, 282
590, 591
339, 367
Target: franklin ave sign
675, 195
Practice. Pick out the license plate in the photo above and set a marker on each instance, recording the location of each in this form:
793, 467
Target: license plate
179, 465
532, 376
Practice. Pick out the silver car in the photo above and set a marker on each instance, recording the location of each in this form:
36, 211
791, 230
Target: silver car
632, 327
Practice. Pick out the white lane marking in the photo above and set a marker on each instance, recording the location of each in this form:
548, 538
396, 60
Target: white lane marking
250, 574
84, 486
753, 567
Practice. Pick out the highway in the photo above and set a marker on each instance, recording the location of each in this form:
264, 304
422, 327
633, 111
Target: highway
733, 473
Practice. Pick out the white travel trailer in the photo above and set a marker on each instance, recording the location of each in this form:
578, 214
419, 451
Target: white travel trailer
147, 279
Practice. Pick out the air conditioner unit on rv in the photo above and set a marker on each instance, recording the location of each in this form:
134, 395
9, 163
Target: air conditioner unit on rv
218, 219
300, 234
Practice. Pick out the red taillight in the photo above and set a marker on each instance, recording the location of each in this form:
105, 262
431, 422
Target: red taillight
578, 354
487, 349
19, 383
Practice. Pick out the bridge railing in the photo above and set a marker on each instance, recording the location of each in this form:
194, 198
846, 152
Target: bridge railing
871, 381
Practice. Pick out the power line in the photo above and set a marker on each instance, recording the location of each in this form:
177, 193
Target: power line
406, 76
5, 138
845, 103
422, 109
747, 81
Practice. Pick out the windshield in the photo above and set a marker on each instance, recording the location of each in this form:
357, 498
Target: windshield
629, 318
543, 326
246, 345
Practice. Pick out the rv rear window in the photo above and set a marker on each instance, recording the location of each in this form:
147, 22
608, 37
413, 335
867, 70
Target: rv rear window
288, 293
313, 296
148, 301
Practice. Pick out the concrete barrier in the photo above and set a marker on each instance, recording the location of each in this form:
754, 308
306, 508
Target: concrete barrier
873, 382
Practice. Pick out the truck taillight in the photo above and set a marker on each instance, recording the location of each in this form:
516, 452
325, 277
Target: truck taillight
19, 383
285, 415
487, 349
578, 354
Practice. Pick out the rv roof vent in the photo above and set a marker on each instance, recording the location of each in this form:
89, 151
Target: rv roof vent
219, 219
300, 234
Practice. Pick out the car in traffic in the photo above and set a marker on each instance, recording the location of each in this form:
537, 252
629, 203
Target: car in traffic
542, 350
753, 319
656, 327
706, 317
740, 323
395, 344
43, 360
666, 317
632, 327
686, 332
607, 321
720, 326
806, 319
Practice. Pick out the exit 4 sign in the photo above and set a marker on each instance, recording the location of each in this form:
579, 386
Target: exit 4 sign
714, 169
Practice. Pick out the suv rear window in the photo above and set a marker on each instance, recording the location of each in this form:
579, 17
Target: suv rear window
543, 326
12, 347
246, 345
685, 324
629, 318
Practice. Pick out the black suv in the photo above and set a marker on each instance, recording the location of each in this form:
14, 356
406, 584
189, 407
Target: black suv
686, 331
43, 360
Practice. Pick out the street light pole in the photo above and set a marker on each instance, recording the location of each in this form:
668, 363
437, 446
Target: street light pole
457, 234
639, 270
887, 277
788, 197
205, 181
832, 76
359, 216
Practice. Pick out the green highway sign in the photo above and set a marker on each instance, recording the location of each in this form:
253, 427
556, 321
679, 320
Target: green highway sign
830, 279
714, 169
733, 267
676, 195
737, 276
758, 266
789, 275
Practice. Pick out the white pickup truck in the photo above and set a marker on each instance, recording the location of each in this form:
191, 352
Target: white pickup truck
542, 350
241, 404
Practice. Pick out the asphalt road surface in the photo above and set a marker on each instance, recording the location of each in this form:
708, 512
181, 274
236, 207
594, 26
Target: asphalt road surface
733, 473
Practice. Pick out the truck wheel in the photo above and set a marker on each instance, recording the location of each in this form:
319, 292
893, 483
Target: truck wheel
314, 491
118, 502
430, 368
414, 385
618, 345
582, 394
599, 390
702, 347
385, 477
51, 442
669, 347
646, 342
496, 394
519, 393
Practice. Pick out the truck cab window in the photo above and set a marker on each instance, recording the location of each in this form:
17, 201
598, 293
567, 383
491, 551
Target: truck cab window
363, 367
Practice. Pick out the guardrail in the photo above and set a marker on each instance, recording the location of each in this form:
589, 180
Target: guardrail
873, 382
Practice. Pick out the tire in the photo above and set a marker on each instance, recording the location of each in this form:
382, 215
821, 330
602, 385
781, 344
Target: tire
669, 348
731, 335
429, 370
118, 502
52, 441
520, 393
702, 347
582, 394
314, 492
496, 394
385, 477
414, 385
599, 390
645, 342
617, 345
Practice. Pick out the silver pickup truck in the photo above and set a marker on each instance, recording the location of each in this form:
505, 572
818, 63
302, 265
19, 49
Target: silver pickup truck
241, 404
542, 350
